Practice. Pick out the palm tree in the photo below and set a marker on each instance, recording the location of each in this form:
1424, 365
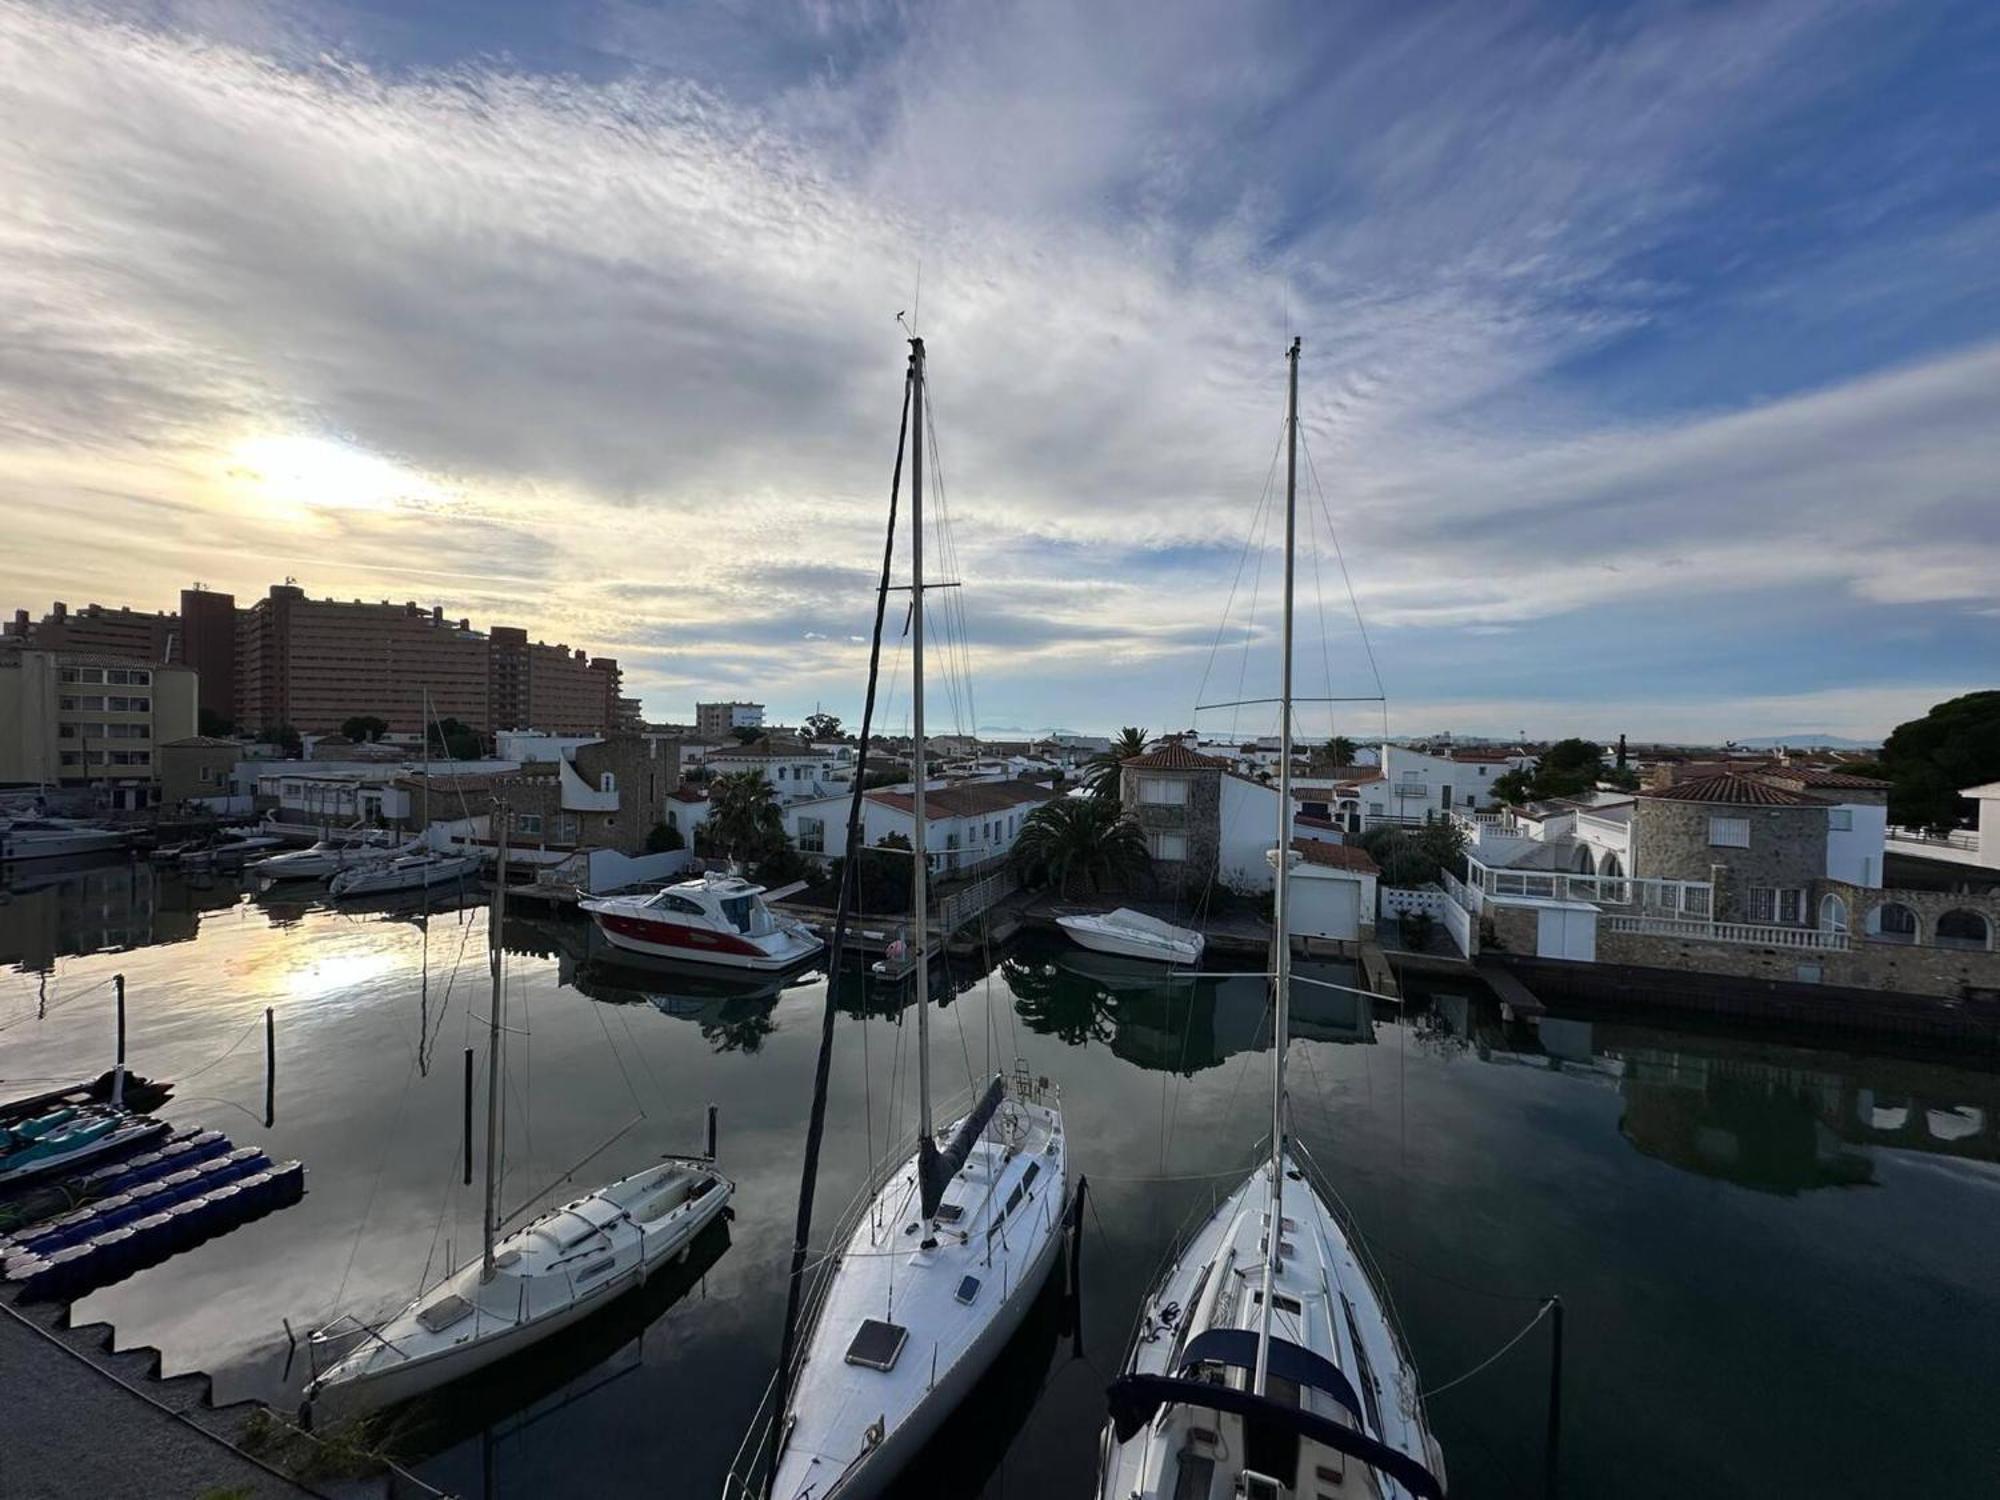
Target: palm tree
743, 817
1087, 836
1100, 773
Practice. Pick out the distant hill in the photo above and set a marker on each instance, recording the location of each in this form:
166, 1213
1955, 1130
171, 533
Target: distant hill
1808, 740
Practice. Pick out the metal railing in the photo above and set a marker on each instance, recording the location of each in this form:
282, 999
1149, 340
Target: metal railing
1653, 897
1750, 934
963, 905
1957, 838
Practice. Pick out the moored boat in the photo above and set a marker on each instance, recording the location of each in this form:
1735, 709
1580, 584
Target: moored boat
717, 919
423, 870
52, 838
324, 859
1133, 934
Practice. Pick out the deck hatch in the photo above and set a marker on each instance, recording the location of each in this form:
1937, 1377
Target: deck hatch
968, 1288
877, 1344
444, 1312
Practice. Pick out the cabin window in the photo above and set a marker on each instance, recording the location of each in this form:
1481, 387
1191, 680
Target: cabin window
1361, 1366
1013, 1201
1028, 1177
1729, 833
1166, 791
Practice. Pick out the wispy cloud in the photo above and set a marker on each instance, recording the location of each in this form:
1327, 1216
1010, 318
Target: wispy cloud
626, 327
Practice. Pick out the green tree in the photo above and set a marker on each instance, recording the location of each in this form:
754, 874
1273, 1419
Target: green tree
744, 821
883, 778
1088, 837
1928, 760
1565, 769
1412, 856
1338, 751
283, 736
822, 726
209, 721
364, 727
457, 740
747, 734
1100, 772
664, 839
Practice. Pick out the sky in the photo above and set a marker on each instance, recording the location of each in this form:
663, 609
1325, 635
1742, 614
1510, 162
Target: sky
1650, 377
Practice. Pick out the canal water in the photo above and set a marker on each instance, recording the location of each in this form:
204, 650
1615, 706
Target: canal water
1780, 1261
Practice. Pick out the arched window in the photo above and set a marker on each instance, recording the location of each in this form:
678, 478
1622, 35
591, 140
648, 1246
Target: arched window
1892, 922
1832, 914
1963, 929
607, 781
1586, 862
1612, 865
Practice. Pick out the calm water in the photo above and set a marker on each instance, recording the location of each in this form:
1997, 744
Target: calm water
1781, 1263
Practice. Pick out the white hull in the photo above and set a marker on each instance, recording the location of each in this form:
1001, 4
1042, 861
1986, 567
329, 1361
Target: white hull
1101, 936
372, 1376
55, 844
827, 1452
791, 956
414, 875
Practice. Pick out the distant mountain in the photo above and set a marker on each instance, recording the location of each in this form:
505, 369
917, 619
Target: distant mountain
1808, 740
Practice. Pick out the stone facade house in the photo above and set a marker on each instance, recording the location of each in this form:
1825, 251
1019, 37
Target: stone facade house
1762, 846
1175, 796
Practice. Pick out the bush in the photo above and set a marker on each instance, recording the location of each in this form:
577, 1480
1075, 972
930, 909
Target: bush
664, 839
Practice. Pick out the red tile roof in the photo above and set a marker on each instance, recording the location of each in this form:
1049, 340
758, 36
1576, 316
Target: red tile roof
1175, 757
687, 794
1812, 776
1337, 856
1745, 791
969, 799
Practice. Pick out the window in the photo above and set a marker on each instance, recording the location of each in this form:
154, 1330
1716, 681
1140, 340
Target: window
1832, 914
1840, 820
607, 782
66, 731
72, 757
1763, 903
1792, 906
812, 835
1164, 791
1166, 846
1729, 833
528, 823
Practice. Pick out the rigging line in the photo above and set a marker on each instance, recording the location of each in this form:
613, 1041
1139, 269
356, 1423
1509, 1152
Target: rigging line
1242, 558
1325, 647
1526, 1329
1250, 620
1345, 578
42, 1011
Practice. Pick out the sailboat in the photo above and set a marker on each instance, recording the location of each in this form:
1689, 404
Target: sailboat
414, 867
949, 1245
1266, 1363
558, 1269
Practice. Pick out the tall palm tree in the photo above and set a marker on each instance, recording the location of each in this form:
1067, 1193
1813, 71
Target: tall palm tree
1086, 836
1100, 772
744, 819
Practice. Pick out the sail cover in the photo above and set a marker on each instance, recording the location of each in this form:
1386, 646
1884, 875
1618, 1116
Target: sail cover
935, 1168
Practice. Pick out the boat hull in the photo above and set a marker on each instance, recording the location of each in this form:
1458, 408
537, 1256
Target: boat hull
698, 945
22, 847
420, 1376
372, 882
1098, 940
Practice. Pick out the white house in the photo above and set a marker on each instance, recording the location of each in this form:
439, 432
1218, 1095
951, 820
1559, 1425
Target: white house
687, 810
796, 774
1416, 784
968, 823
1332, 891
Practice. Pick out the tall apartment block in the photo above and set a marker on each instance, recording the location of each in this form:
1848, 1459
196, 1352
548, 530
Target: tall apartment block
715, 721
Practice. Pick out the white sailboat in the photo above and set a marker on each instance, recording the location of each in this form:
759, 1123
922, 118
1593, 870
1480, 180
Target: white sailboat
558, 1269
950, 1246
415, 867
1267, 1364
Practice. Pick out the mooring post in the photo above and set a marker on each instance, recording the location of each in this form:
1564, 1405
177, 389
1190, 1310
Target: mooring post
711, 1132
118, 1063
1549, 1484
467, 1151
270, 1067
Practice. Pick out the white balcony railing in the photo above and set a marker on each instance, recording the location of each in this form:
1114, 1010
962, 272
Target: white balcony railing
1749, 934
1958, 838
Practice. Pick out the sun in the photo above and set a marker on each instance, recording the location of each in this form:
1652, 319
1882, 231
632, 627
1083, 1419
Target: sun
305, 475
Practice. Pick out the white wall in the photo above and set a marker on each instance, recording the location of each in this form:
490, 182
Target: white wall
1328, 903
1470, 783
1855, 854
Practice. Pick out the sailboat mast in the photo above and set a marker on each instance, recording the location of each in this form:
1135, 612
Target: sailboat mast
1282, 976
495, 949
919, 860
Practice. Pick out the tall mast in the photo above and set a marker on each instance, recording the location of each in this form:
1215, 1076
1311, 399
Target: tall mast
919, 860
495, 949
1282, 978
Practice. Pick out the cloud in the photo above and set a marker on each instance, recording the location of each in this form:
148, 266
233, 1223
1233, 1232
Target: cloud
615, 344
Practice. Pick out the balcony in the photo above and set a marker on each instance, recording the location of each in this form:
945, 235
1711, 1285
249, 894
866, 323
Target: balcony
1960, 846
1747, 934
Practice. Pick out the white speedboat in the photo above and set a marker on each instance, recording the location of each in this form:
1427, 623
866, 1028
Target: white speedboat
423, 870
1133, 934
883, 1369
560, 1268
231, 846
324, 859
52, 838
718, 919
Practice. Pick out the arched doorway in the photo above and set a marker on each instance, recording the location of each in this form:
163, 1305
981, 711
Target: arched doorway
1586, 862
1832, 914
1963, 929
1892, 922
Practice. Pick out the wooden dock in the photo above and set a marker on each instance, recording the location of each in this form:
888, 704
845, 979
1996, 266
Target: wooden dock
1513, 994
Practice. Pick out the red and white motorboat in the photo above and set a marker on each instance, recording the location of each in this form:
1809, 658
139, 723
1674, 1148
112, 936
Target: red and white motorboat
718, 919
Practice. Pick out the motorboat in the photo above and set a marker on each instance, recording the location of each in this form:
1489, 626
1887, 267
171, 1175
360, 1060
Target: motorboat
51, 838
717, 919
1266, 1362
66, 1138
558, 1269
324, 859
423, 869
1133, 934
231, 846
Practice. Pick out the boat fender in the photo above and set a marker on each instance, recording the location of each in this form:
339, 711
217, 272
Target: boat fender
877, 1430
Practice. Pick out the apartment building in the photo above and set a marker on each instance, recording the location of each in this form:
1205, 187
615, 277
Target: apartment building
718, 721
129, 634
78, 719
539, 686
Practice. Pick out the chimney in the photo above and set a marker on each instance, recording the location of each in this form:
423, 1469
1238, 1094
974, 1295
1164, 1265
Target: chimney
437, 614
61, 611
